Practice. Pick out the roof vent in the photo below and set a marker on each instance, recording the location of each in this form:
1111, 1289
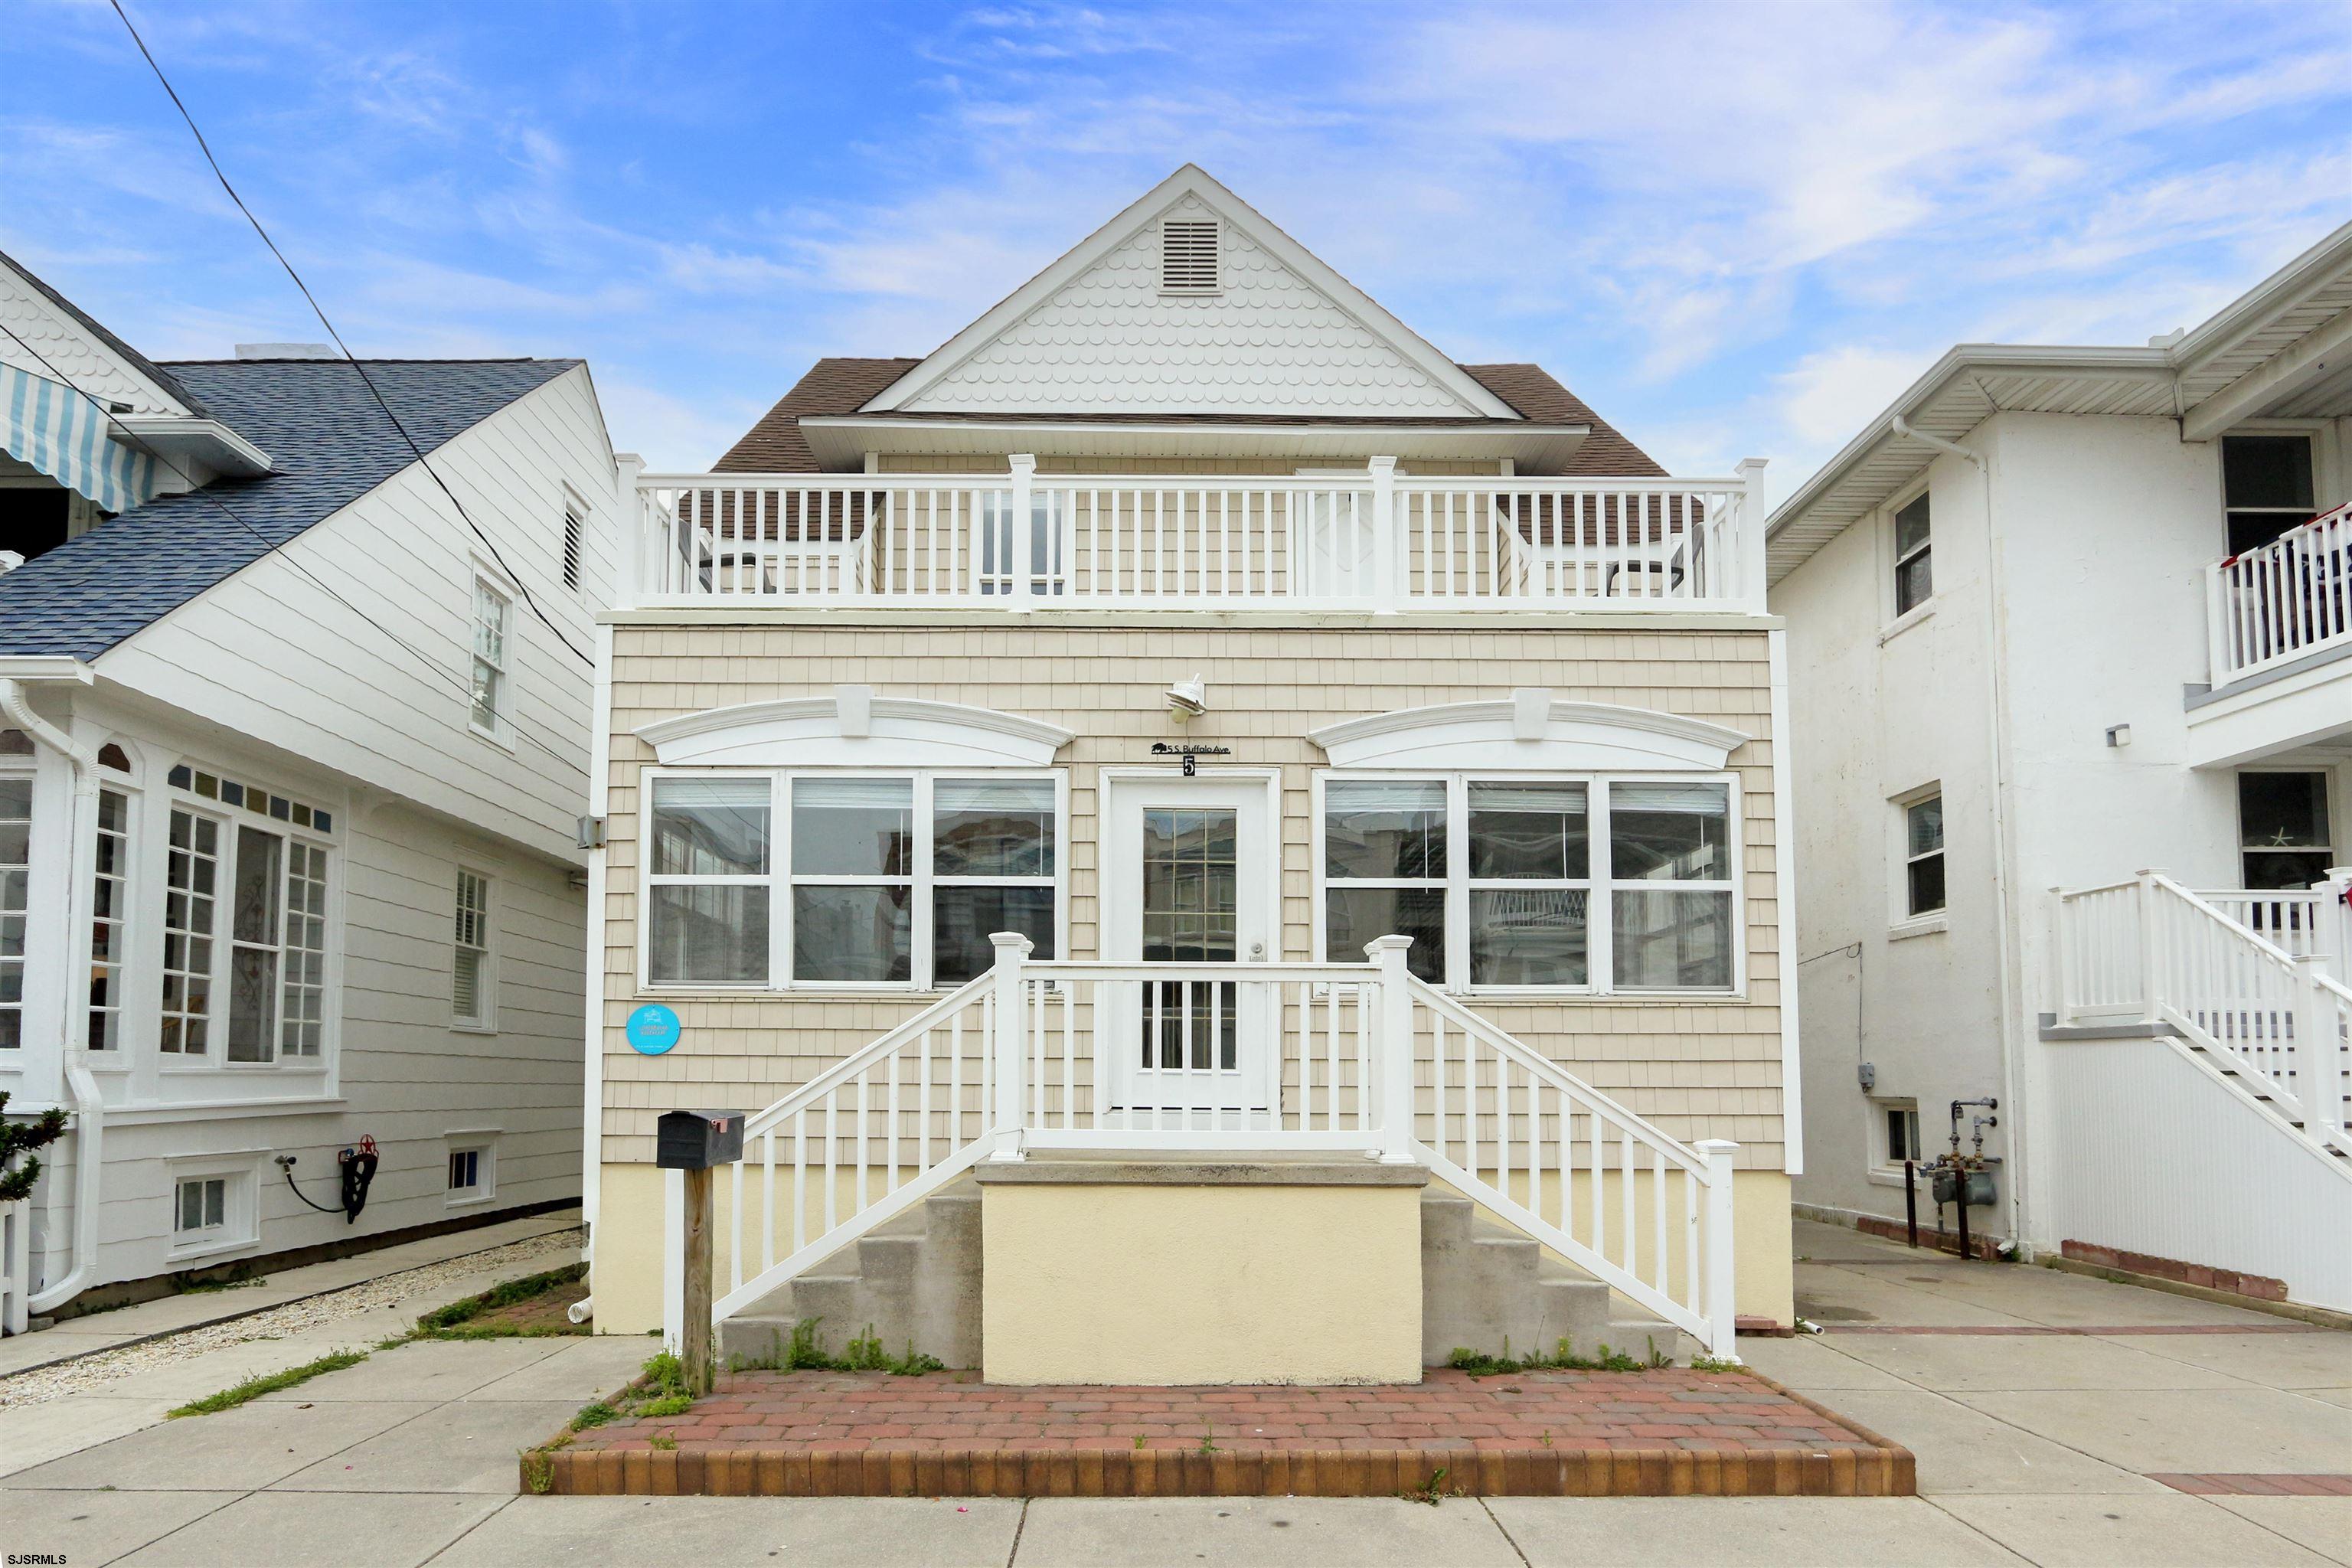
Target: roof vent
287, 351
1188, 256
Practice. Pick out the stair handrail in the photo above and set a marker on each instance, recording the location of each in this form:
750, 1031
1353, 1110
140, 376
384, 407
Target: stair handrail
1706, 1167
1508, 1044
865, 1056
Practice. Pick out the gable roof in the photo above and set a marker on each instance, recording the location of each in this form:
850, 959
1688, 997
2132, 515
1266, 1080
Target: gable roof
331, 445
2283, 348
834, 387
165, 388
1281, 299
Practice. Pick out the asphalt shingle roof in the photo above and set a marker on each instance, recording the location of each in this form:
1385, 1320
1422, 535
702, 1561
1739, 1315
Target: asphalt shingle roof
330, 444
776, 445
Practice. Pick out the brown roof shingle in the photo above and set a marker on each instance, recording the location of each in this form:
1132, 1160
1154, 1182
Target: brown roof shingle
836, 387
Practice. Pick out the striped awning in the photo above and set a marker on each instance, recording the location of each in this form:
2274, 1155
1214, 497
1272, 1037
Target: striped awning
63, 433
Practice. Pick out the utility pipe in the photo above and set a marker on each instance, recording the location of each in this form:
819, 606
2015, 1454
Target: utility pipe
73, 1032
2004, 964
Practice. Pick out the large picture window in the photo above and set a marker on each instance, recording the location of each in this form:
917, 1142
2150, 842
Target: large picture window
887, 880
1577, 884
245, 926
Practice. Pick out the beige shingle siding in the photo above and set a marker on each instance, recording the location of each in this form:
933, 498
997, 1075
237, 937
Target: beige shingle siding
1699, 1068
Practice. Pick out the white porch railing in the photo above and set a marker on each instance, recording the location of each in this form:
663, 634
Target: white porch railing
2300, 922
2288, 598
2151, 951
1224, 1058
1025, 540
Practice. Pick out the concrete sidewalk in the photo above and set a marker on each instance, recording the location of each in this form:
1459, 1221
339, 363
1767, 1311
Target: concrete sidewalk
2034, 1447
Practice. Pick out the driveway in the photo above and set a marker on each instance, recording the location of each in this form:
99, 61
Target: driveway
2041, 1405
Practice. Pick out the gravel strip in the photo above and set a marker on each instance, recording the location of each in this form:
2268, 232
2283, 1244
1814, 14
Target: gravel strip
414, 1288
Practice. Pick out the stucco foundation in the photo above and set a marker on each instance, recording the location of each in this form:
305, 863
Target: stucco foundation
1234, 1274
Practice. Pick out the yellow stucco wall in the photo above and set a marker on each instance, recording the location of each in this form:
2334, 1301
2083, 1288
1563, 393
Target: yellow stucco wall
1185, 1285
626, 1278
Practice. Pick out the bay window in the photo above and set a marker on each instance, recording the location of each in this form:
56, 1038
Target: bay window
880, 881
1595, 884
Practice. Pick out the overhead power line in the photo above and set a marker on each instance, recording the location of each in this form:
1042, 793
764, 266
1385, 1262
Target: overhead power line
218, 174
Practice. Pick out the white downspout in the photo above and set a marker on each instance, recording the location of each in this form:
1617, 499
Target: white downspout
2012, 1109
90, 1108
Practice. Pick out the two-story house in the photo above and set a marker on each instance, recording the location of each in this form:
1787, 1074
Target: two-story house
1216, 843
2072, 675
294, 716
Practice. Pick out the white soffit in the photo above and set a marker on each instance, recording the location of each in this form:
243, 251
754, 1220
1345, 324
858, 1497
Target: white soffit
852, 727
840, 442
1285, 335
1529, 729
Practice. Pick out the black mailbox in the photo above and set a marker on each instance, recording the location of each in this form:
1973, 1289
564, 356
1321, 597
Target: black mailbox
698, 1139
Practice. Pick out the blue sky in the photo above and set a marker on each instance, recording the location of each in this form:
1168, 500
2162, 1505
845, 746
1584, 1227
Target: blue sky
1734, 230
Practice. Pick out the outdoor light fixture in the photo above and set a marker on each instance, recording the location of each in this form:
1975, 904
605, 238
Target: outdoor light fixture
1188, 699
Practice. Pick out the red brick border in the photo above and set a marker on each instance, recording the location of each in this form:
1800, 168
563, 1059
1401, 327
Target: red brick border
1862, 1464
2259, 1286
1945, 1242
2244, 1484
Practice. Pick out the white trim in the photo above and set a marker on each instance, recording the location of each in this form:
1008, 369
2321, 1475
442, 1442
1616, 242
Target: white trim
1529, 730
239, 1173
821, 732
1233, 213
483, 1144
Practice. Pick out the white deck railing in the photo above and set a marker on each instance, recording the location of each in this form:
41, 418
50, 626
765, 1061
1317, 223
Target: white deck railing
1030, 541
1225, 1059
2283, 601
16, 1266
2151, 951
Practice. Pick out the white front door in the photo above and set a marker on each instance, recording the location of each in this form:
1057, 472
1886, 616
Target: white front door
1190, 876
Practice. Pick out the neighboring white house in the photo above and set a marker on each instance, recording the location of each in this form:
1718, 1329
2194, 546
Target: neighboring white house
2059, 617
289, 769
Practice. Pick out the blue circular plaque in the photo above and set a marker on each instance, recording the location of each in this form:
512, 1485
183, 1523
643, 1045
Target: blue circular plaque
653, 1029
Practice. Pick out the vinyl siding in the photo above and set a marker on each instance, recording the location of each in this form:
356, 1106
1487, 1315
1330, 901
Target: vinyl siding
1700, 1068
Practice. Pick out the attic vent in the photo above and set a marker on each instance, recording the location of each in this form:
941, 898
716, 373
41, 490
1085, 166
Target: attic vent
571, 531
1187, 257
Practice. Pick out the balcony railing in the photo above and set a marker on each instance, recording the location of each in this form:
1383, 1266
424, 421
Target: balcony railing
1030, 541
2285, 600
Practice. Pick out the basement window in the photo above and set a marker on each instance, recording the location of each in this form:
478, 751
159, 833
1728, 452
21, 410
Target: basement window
1187, 257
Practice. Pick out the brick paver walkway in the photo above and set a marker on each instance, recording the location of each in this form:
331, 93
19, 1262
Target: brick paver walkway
1666, 1431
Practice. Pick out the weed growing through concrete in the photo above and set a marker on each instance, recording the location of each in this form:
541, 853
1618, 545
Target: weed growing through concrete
253, 1388
662, 1440
1432, 1492
537, 1472
1478, 1364
1208, 1439
806, 1351
1714, 1364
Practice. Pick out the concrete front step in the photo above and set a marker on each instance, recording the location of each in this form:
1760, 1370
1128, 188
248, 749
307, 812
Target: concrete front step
1485, 1288
917, 1282
914, 1282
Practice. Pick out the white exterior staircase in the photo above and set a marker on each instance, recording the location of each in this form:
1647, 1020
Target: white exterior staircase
849, 1204
2202, 1069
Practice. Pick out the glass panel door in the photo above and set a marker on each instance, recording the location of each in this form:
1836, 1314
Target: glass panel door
1190, 880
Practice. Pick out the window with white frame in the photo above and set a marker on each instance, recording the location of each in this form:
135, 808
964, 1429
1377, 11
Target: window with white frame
1898, 1132
110, 910
1923, 856
473, 984
266, 953
15, 885
473, 1168
877, 880
200, 1208
493, 624
1564, 883
2266, 487
2284, 836
1915, 579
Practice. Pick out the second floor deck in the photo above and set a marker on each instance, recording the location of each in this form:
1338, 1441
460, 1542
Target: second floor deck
1027, 541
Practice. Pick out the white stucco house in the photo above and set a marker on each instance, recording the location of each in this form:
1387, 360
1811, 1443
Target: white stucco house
291, 751
2071, 655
